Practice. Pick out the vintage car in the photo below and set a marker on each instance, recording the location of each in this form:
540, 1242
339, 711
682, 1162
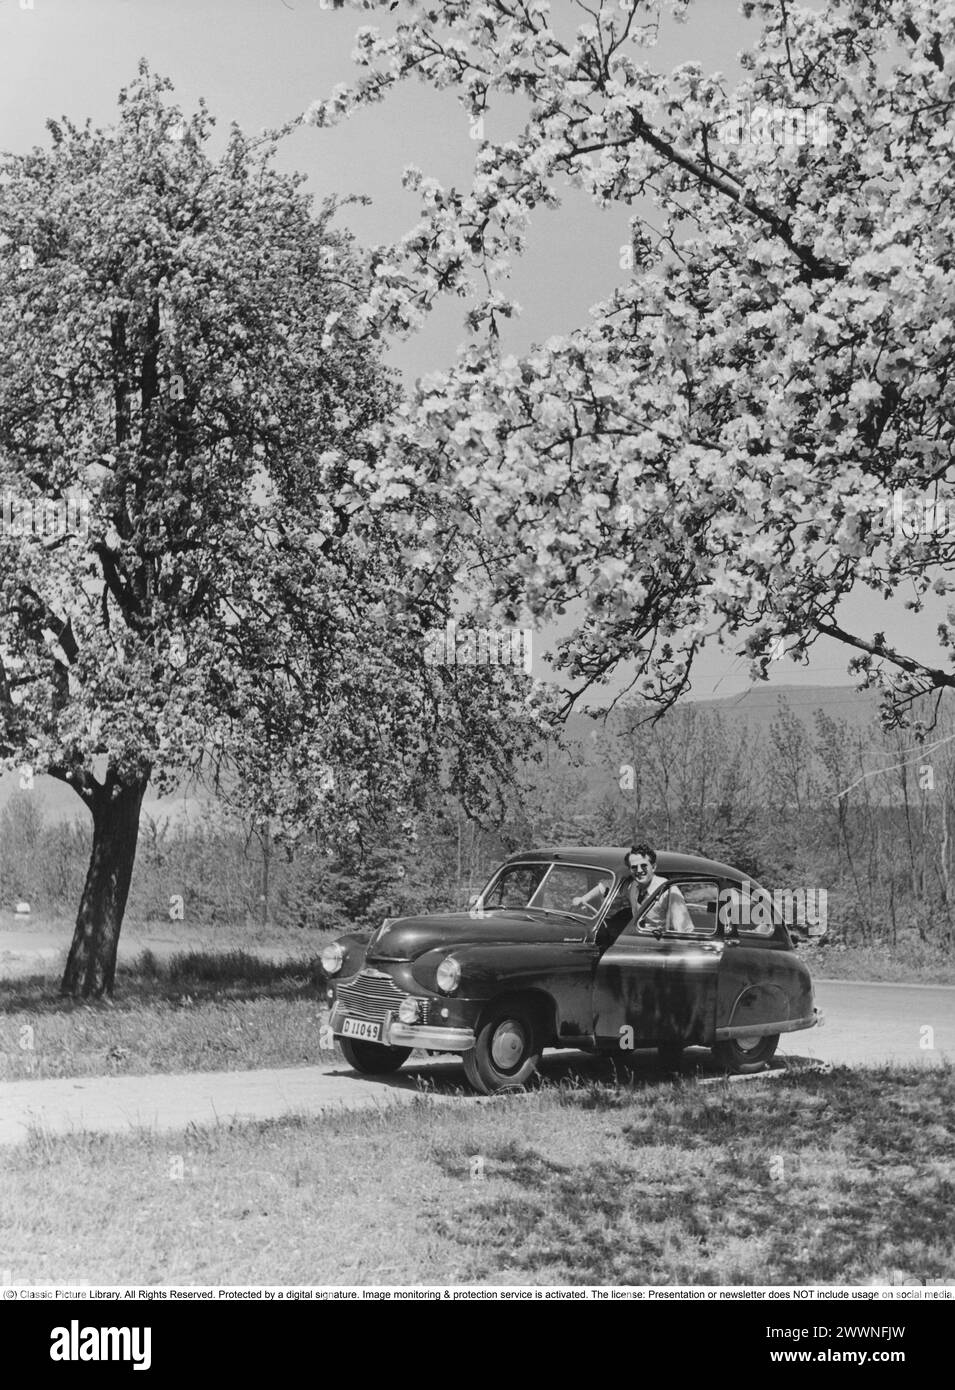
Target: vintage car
548, 955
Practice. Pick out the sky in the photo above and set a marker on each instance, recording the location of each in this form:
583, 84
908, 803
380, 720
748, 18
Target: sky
261, 63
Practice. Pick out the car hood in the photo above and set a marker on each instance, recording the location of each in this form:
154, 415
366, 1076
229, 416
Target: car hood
406, 938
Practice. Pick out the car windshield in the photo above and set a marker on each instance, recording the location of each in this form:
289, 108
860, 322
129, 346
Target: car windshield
547, 887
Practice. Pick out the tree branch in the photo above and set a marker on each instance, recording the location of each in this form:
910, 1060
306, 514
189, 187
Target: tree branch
934, 52
81, 780
886, 653
818, 270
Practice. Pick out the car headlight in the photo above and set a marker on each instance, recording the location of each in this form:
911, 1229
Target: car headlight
448, 975
332, 957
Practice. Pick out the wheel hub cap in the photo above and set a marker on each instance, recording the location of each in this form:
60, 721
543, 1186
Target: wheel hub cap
507, 1045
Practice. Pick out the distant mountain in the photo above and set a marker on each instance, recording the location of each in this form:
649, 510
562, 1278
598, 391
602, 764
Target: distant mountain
757, 707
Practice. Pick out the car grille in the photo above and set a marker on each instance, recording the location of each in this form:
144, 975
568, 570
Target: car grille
370, 997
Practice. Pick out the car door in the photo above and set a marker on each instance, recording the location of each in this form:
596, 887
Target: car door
628, 990
657, 983
761, 983
693, 949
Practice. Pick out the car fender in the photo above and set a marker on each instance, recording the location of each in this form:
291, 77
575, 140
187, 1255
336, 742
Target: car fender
561, 973
355, 946
760, 986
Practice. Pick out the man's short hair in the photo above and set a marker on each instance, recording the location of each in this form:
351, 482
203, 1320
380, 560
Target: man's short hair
648, 850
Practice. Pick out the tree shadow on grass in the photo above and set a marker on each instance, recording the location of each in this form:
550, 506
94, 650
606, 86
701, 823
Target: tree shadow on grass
196, 975
817, 1178
555, 1217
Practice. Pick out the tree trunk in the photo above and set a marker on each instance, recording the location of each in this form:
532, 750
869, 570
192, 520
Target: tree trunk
944, 871
91, 965
457, 822
265, 840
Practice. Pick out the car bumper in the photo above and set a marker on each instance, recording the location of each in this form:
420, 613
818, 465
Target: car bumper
762, 1030
429, 1037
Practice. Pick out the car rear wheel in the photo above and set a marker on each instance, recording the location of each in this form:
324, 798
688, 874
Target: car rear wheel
374, 1059
740, 1055
506, 1053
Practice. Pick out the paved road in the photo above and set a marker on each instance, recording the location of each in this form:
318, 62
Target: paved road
871, 1023
170, 1102
865, 1024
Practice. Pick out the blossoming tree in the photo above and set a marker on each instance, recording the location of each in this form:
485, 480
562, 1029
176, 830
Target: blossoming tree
744, 431
181, 353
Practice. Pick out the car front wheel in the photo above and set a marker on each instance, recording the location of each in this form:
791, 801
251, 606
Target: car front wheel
506, 1053
741, 1055
374, 1059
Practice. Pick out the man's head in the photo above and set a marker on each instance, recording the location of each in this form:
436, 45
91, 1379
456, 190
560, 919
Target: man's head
641, 860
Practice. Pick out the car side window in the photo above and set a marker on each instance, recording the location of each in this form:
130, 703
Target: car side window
653, 913
747, 911
691, 907
685, 907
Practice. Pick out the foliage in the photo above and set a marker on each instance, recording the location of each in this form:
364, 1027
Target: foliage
719, 450
183, 349
188, 373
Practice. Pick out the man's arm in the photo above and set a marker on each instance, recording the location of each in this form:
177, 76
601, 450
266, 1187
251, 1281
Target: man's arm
678, 917
586, 899
659, 916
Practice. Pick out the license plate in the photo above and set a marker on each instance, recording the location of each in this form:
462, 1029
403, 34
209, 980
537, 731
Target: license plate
358, 1028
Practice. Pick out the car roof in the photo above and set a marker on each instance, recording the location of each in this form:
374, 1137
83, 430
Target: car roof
615, 857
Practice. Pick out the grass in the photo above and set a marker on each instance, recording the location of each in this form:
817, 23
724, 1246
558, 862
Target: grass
814, 1178
200, 1011
911, 963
